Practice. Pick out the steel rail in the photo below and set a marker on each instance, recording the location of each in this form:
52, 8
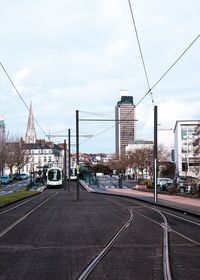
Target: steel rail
185, 237
181, 218
169, 228
3, 232
166, 265
99, 257
16, 206
166, 228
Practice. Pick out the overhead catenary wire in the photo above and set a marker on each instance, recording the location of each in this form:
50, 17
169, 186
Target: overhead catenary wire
140, 50
9, 78
167, 71
159, 80
95, 114
145, 72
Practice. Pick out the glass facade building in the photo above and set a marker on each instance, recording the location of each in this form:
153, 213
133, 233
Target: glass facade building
186, 163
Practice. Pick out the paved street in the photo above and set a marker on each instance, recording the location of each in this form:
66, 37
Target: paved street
55, 236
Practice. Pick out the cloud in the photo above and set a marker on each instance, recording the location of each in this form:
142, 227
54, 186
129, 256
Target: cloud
66, 55
20, 81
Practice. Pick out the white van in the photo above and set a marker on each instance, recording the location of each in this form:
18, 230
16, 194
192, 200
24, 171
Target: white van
164, 182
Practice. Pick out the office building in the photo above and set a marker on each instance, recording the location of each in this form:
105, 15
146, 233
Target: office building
186, 163
2, 130
125, 124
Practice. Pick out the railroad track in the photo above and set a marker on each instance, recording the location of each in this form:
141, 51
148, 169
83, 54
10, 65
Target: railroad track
25, 209
145, 242
172, 230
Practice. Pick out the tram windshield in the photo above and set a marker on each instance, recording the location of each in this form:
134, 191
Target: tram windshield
54, 175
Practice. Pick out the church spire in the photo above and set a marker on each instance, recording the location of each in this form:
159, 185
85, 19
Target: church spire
30, 131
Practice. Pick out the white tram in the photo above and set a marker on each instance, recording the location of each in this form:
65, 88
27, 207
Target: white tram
73, 174
54, 177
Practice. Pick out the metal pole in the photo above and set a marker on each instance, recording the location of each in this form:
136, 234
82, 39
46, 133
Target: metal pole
77, 153
155, 151
65, 161
69, 153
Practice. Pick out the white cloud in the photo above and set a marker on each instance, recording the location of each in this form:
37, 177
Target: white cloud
22, 75
79, 54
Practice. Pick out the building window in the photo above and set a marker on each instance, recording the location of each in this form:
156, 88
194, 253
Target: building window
184, 133
184, 166
184, 149
39, 160
190, 133
190, 147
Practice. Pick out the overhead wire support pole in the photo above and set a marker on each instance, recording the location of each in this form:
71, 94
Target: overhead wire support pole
155, 152
77, 154
69, 153
65, 160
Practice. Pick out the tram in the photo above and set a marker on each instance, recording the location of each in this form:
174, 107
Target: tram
73, 174
54, 177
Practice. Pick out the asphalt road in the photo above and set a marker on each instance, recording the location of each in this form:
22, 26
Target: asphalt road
55, 236
10, 188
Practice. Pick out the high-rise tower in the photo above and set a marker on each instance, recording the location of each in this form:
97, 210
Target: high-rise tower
125, 129
2, 130
30, 131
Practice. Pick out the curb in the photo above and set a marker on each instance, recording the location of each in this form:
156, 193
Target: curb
183, 211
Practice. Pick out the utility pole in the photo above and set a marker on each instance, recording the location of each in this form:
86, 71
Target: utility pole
155, 152
77, 154
65, 161
69, 153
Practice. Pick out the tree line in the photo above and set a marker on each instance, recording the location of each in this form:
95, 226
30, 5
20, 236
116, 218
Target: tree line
12, 154
139, 161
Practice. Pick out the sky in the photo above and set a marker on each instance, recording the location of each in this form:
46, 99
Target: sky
66, 55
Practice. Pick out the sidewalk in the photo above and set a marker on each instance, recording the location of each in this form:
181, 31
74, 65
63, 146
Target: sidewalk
185, 204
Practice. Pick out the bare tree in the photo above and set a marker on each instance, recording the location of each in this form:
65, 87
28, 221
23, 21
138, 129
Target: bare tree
163, 153
21, 158
119, 164
141, 159
2, 152
15, 154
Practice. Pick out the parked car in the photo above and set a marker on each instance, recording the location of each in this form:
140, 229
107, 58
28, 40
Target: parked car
5, 179
23, 176
20, 176
164, 183
184, 183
